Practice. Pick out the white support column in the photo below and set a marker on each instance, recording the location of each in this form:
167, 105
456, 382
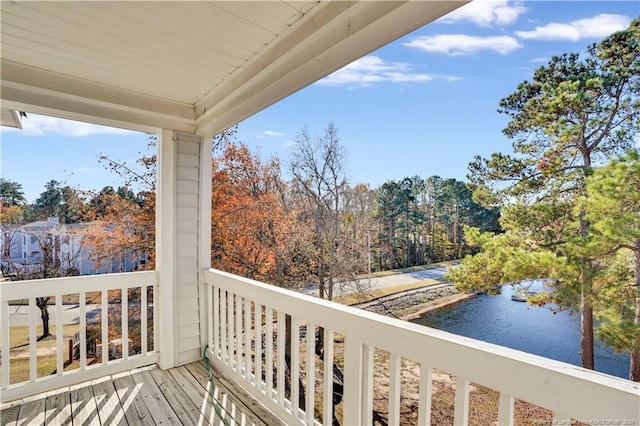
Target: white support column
189, 315
204, 229
166, 248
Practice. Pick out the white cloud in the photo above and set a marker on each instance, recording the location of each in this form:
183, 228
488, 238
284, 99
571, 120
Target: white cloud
461, 44
38, 125
486, 13
596, 27
269, 133
540, 59
371, 69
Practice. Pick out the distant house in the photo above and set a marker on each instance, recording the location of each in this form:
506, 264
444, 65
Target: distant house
55, 249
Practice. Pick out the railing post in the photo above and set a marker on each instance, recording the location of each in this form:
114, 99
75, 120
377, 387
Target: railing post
353, 370
204, 238
165, 248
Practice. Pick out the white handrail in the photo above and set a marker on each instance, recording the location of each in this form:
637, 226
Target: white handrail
562, 388
55, 289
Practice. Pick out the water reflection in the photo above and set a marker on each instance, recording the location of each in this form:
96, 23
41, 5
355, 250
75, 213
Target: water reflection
499, 320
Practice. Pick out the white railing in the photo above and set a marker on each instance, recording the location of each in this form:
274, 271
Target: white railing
99, 325
247, 327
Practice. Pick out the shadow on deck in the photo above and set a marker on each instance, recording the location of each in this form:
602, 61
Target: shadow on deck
145, 396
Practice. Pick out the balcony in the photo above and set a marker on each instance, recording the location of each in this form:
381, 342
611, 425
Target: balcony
190, 71
249, 325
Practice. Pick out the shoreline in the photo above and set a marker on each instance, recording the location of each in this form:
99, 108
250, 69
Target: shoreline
411, 304
422, 309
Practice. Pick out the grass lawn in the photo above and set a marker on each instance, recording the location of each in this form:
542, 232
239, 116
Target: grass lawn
350, 299
47, 351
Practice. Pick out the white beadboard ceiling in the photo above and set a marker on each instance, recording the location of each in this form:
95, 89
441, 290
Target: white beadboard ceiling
194, 66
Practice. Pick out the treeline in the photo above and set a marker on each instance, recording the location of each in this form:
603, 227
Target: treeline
314, 227
67, 204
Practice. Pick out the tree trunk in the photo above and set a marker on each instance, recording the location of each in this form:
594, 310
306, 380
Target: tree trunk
586, 311
321, 277
586, 338
634, 364
330, 286
42, 304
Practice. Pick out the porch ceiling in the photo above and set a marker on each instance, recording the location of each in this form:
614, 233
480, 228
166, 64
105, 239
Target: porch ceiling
193, 66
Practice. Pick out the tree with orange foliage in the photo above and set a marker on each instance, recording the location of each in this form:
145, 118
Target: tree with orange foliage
123, 223
121, 231
255, 232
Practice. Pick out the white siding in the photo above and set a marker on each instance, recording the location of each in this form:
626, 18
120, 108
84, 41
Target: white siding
187, 214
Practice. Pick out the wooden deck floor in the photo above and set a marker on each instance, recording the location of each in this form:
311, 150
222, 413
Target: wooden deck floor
147, 396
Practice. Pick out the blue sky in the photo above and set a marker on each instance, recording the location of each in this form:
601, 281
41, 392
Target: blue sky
423, 105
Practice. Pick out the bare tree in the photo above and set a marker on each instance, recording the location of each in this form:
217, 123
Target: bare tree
320, 182
49, 255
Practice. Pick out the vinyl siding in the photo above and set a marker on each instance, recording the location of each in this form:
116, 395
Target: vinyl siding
187, 211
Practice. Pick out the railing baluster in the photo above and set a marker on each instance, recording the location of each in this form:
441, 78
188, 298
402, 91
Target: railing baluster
424, 395
104, 313
33, 341
461, 409
506, 409
247, 339
281, 354
4, 314
239, 334
59, 336
124, 308
82, 301
224, 308
268, 365
394, 388
144, 348
310, 371
367, 385
258, 343
295, 366
230, 336
214, 326
156, 330
327, 398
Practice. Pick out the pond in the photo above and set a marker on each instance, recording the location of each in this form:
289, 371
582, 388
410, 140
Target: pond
499, 320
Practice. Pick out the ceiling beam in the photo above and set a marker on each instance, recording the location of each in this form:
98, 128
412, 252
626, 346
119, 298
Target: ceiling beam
38, 91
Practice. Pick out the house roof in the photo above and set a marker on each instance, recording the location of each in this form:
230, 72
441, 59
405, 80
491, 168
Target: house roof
199, 67
43, 226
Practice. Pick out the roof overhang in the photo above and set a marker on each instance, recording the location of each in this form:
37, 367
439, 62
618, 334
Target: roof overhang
198, 67
10, 118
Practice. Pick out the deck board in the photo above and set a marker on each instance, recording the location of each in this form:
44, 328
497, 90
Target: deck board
83, 405
196, 393
110, 412
161, 412
145, 396
184, 408
135, 409
58, 409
